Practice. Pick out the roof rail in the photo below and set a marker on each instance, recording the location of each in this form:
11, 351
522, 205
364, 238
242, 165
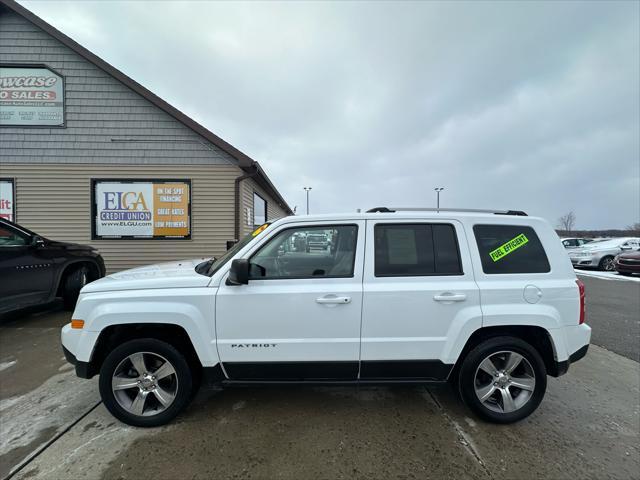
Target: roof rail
469, 210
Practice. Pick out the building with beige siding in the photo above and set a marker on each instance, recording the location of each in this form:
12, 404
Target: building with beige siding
88, 155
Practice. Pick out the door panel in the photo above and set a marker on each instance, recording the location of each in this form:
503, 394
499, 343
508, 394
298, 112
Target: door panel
409, 321
26, 273
304, 328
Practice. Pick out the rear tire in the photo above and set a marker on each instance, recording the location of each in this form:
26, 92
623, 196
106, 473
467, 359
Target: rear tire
503, 379
73, 283
148, 398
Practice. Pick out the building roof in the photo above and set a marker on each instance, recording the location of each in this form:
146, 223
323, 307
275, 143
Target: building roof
244, 161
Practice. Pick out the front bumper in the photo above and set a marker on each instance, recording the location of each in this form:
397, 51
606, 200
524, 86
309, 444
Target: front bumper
77, 346
584, 261
82, 368
624, 267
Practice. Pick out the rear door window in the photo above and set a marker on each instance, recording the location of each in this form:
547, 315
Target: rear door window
510, 249
410, 250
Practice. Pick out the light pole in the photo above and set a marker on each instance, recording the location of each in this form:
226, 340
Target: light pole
438, 190
307, 189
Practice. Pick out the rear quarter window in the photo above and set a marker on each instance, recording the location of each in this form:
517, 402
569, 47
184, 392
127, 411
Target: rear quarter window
510, 249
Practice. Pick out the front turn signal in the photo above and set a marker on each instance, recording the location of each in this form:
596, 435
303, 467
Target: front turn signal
77, 324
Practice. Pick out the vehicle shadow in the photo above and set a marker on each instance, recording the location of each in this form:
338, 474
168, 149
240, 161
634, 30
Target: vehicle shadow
35, 316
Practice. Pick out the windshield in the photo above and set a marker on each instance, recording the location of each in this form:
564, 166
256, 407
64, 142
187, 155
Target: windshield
218, 263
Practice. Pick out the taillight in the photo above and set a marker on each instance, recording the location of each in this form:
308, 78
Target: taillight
581, 292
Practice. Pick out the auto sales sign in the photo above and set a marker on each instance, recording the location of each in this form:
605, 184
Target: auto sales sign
142, 209
31, 96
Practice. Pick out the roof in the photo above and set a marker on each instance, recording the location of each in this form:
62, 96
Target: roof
450, 214
244, 161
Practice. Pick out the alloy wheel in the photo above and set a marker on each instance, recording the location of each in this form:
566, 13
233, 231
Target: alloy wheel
504, 381
144, 383
608, 264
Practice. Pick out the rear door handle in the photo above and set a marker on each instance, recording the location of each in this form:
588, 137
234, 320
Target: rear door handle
333, 300
450, 297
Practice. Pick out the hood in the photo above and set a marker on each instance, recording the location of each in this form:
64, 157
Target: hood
67, 245
180, 274
630, 255
596, 246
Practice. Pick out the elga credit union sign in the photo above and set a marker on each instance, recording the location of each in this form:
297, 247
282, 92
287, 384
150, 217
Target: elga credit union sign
142, 209
31, 96
7, 201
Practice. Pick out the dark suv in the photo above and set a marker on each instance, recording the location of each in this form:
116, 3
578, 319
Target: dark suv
35, 270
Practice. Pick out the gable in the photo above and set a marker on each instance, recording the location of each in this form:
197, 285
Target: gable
106, 121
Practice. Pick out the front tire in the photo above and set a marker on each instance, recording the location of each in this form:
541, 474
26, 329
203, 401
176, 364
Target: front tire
73, 283
503, 379
145, 382
607, 264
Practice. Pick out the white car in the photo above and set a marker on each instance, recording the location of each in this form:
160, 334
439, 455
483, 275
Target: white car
574, 242
601, 254
487, 301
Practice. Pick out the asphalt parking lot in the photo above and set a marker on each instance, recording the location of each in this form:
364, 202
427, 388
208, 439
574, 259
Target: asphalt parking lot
52, 424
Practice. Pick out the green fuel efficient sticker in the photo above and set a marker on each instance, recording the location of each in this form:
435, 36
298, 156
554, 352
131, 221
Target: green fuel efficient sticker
504, 250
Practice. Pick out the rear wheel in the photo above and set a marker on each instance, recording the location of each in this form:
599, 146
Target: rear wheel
145, 382
503, 379
607, 264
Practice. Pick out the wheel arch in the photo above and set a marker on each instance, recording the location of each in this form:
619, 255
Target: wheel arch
115, 335
70, 267
538, 337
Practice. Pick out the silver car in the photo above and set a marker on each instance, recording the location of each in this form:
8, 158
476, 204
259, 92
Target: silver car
600, 255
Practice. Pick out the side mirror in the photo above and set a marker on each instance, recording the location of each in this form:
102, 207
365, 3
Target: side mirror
239, 272
625, 247
37, 241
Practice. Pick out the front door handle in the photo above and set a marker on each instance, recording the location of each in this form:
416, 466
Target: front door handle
450, 297
333, 300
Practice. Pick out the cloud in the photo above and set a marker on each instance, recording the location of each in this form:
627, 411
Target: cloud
532, 106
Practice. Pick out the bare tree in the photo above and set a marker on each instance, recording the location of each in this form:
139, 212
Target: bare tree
567, 221
634, 229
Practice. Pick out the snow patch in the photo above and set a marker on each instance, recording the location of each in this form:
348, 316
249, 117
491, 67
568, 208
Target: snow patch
608, 275
54, 404
5, 365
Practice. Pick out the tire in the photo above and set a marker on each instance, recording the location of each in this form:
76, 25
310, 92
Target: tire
606, 264
131, 397
73, 283
626, 274
473, 380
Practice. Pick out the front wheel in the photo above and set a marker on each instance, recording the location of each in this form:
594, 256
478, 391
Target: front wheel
145, 382
503, 379
73, 283
607, 264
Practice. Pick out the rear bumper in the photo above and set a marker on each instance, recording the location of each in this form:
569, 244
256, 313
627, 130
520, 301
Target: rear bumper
563, 367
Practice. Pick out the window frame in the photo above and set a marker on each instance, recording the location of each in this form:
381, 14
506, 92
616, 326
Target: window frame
17, 232
256, 194
299, 277
434, 274
499, 225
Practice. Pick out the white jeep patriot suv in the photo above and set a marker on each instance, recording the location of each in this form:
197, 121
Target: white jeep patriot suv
486, 300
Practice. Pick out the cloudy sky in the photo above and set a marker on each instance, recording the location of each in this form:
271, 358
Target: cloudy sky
532, 106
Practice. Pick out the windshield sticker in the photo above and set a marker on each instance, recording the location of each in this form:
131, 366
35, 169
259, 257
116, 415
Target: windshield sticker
508, 247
